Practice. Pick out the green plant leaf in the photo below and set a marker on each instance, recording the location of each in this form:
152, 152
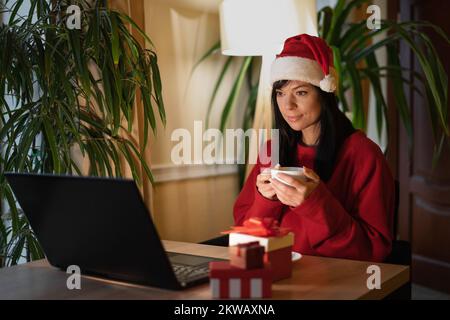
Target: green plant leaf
157, 87
325, 15
400, 97
341, 12
216, 88
380, 103
210, 52
337, 59
114, 40
14, 11
51, 139
234, 92
126, 18
359, 116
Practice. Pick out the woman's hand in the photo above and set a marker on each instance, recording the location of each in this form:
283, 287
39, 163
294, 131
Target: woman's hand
295, 194
265, 187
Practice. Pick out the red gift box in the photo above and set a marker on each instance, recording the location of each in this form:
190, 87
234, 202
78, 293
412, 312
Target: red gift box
227, 281
248, 255
276, 241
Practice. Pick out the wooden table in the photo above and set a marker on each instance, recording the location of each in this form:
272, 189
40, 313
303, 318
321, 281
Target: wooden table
312, 278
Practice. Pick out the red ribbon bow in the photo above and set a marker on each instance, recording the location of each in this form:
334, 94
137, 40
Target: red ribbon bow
260, 227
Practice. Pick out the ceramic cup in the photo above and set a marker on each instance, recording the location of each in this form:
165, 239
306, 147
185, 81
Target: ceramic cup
295, 172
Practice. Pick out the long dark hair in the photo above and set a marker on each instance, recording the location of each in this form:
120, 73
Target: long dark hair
335, 127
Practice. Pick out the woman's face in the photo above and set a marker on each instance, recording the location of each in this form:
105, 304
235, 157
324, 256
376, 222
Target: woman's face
299, 104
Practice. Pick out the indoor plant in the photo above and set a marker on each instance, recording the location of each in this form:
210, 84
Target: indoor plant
62, 88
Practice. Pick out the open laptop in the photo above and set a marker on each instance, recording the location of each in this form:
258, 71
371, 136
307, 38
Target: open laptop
103, 226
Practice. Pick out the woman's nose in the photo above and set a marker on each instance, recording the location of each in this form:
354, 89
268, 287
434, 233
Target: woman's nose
290, 103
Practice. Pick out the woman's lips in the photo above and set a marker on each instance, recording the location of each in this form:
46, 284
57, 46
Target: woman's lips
293, 119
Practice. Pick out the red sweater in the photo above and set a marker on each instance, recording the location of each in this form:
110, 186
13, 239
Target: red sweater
350, 216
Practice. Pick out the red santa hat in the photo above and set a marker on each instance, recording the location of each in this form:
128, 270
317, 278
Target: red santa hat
306, 58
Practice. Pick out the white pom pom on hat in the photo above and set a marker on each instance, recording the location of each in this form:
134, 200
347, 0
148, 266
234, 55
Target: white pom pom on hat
305, 58
328, 83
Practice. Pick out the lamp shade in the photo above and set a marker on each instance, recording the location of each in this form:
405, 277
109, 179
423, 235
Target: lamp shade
258, 27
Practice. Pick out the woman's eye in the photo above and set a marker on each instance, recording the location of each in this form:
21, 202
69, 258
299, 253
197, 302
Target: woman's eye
301, 93
279, 94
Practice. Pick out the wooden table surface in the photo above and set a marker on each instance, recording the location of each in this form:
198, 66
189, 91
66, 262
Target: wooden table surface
312, 278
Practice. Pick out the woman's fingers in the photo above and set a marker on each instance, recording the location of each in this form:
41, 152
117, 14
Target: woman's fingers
266, 188
283, 197
290, 180
263, 178
271, 194
280, 187
291, 191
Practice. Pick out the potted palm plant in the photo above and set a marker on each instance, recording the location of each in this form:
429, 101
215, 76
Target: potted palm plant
63, 89
354, 46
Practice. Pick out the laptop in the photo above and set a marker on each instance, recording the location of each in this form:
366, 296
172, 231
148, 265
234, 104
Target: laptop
103, 226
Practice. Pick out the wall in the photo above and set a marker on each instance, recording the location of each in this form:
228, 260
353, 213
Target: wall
190, 202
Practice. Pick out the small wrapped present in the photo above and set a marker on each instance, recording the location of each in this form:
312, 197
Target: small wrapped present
276, 241
248, 255
227, 281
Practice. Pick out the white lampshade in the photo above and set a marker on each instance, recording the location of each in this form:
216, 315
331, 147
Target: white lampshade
258, 27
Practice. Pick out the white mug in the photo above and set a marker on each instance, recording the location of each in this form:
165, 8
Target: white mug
295, 172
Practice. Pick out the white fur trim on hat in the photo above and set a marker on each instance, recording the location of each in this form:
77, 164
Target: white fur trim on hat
303, 69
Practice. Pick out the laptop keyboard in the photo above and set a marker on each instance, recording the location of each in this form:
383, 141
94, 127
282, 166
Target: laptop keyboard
185, 273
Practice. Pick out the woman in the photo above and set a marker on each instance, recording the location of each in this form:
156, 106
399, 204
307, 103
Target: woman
345, 209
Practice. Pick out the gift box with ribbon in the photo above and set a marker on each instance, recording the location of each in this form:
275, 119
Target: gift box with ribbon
248, 255
277, 242
227, 281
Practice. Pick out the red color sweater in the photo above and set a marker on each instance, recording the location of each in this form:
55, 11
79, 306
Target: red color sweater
350, 216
